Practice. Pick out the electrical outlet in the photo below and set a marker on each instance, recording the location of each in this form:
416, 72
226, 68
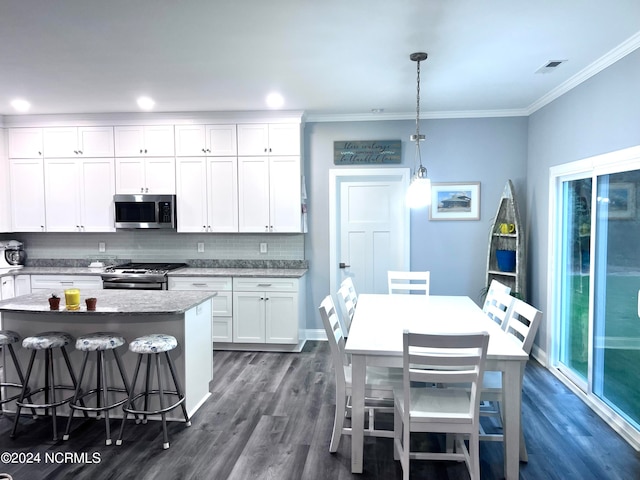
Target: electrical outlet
263, 247
200, 247
102, 247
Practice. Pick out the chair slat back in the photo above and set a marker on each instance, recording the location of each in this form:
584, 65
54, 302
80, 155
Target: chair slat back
494, 286
498, 309
408, 282
348, 304
443, 359
522, 323
335, 336
348, 282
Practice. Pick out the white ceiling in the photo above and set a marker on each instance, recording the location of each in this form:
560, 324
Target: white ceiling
330, 58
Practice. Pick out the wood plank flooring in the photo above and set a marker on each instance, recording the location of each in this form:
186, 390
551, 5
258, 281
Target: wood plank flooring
270, 416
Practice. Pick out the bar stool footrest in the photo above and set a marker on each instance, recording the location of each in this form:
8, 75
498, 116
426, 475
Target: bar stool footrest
98, 409
154, 412
13, 385
47, 405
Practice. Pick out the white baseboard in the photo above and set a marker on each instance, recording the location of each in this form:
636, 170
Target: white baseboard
315, 334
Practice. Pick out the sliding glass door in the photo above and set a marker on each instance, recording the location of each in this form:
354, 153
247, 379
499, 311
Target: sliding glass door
596, 282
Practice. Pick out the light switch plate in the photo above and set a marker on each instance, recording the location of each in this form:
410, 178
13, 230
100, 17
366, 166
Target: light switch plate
200, 247
102, 247
263, 247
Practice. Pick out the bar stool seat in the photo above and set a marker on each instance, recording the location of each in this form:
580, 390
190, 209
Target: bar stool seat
46, 342
99, 342
147, 346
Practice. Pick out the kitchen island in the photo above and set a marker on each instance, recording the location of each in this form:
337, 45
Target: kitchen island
184, 314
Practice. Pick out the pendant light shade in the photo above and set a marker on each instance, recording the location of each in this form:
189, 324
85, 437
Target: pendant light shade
419, 192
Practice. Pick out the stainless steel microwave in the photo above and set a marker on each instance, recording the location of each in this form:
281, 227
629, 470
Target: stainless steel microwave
145, 211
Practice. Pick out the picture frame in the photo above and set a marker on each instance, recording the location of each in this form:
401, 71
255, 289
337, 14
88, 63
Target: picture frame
455, 201
622, 201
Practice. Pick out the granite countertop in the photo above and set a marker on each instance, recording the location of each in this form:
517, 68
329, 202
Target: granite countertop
112, 302
238, 272
53, 271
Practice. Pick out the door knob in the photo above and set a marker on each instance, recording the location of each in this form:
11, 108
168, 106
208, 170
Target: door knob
343, 265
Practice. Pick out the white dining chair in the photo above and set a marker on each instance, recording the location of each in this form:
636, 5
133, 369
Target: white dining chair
348, 282
408, 282
489, 299
379, 383
347, 301
441, 359
498, 309
521, 325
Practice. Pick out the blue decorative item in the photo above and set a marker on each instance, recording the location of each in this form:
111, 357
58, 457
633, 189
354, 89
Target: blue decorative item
506, 260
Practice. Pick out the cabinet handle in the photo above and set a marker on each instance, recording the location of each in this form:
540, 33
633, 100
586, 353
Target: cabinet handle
75, 151
265, 150
145, 150
146, 190
269, 149
141, 189
264, 284
199, 284
63, 282
42, 227
204, 151
39, 153
140, 150
208, 150
80, 152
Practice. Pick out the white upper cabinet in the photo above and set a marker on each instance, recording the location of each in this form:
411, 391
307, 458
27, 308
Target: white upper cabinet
206, 140
25, 143
269, 194
207, 189
144, 141
146, 175
27, 195
79, 195
268, 139
69, 142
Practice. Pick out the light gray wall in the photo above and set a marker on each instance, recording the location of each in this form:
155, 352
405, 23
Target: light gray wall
599, 116
488, 150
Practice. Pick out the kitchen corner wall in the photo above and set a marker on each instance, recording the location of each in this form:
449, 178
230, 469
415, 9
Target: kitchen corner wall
155, 245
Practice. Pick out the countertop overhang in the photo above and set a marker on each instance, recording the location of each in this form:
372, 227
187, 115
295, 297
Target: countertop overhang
112, 302
182, 272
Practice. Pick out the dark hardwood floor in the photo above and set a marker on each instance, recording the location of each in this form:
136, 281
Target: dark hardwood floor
270, 417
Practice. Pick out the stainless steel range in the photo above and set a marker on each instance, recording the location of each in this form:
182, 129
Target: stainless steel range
141, 276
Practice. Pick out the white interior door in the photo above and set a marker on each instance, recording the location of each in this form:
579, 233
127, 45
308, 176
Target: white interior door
370, 223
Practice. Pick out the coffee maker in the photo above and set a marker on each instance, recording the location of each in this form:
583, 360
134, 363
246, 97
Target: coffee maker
12, 255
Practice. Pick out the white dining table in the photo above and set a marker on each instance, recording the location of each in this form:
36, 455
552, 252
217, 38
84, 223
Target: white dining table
375, 339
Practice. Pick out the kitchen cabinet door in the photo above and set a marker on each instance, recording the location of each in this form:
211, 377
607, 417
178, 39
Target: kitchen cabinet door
7, 287
141, 141
22, 285
62, 195
190, 141
253, 194
248, 317
25, 143
284, 139
97, 187
269, 139
191, 189
221, 140
281, 317
253, 139
130, 177
27, 195
160, 176
285, 195
70, 142
222, 200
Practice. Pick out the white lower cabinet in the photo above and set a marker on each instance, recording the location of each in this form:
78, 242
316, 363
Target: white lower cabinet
60, 282
22, 285
266, 310
7, 287
221, 311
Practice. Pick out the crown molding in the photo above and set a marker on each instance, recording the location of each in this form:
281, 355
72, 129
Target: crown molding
373, 117
622, 50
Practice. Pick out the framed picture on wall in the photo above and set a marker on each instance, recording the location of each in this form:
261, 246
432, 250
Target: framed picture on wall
622, 200
455, 201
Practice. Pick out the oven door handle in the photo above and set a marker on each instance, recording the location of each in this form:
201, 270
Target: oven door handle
132, 285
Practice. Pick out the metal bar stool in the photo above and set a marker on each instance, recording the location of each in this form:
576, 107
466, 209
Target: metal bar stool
7, 339
99, 342
45, 341
146, 346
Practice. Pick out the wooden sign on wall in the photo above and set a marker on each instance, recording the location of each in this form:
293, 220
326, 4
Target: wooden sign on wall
352, 152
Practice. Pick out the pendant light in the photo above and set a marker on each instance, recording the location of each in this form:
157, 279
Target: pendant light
419, 192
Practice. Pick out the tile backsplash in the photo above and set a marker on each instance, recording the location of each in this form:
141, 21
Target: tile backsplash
154, 245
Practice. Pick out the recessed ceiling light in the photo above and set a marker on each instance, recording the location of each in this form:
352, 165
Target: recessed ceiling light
550, 66
20, 105
145, 103
275, 100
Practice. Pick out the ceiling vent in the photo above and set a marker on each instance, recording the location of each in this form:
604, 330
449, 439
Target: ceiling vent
550, 66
